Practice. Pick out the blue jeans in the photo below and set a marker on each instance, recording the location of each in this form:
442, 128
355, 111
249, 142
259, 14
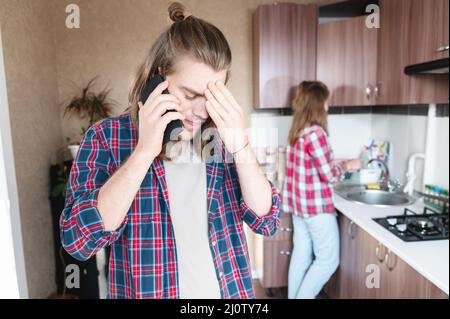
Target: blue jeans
315, 256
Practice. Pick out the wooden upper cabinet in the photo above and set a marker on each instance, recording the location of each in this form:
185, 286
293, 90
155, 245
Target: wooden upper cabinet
365, 66
428, 40
347, 61
284, 52
429, 30
393, 52
406, 37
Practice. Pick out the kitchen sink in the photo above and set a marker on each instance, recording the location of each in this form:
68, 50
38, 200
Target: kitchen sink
379, 198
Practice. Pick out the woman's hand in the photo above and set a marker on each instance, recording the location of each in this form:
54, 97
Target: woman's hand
353, 164
152, 122
228, 116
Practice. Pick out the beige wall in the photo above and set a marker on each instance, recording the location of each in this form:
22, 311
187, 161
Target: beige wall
29, 55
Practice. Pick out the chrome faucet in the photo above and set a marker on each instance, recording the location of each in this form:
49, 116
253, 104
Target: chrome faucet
391, 186
385, 168
385, 180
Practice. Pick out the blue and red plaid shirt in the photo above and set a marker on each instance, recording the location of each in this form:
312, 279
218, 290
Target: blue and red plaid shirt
143, 260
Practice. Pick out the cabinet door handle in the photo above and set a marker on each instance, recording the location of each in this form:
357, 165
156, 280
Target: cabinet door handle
377, 91
286, 229
285, 252
442, 48
350, 230
391, 262
369, 91
377, 253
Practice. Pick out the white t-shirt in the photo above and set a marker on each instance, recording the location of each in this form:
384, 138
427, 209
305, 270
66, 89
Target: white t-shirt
186, 184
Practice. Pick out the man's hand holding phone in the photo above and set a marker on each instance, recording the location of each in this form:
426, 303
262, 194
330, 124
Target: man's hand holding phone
153, 120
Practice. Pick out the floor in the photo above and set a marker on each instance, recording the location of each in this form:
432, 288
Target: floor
277, 293
261, 292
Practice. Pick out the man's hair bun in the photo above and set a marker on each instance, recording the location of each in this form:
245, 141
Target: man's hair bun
178, 12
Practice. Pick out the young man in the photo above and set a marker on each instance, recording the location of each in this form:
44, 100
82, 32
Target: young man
174, 231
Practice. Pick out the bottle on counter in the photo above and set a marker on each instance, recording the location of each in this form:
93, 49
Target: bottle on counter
428, 191
440, 199
445, 203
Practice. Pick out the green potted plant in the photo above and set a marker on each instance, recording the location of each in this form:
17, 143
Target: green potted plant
88, 104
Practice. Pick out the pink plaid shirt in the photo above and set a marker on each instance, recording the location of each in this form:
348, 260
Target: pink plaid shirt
310, 172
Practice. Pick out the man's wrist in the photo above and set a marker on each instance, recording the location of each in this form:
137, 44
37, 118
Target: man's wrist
244, 155
143, 154
242, 148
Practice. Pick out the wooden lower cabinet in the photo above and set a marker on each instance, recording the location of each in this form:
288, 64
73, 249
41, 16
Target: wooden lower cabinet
399, 280
435, 293
369, 270
277, 255
348, 236
369, 256
357, 252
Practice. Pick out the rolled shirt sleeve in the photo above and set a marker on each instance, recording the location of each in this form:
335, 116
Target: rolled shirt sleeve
81, 226
265, 225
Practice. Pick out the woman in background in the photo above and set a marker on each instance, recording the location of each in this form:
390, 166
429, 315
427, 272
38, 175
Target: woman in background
307, 193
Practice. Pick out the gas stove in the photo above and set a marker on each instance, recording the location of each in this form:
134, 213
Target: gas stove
411, 226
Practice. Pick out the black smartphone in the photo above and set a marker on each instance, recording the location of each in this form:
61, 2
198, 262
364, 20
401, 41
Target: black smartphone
150, 85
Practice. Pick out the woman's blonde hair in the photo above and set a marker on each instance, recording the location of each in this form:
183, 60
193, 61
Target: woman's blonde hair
187, 36
309, 108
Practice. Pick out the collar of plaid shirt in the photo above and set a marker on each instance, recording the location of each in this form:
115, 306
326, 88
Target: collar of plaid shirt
143, 261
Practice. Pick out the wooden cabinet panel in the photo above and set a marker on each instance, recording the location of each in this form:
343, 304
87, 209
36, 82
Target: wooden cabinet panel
277, 255
428, 33
370, 256
277, 251
435, 293
402, 42
342, 283
393, 52
358, 251
348, 261
347, 61
284, 52
399, 280
429, 30
352, 58
395, 278
363, 256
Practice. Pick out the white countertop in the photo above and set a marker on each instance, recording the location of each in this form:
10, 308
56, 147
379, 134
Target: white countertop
429, 258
